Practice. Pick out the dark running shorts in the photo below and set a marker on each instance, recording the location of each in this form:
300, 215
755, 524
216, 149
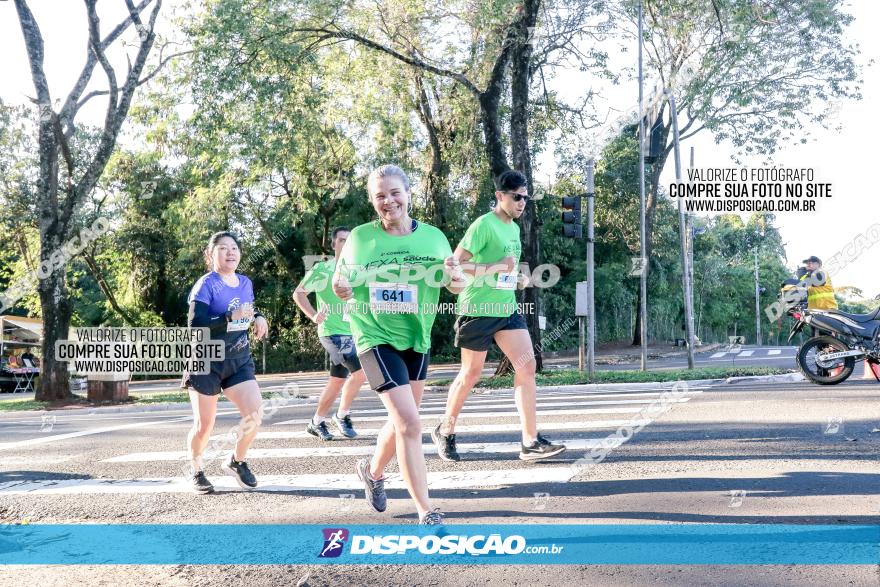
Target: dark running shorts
224, 374
343, 354
476, 333
387, 368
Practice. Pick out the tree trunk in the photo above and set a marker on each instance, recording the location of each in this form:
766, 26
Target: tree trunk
57, 215
57, 310
437, 176
522, 161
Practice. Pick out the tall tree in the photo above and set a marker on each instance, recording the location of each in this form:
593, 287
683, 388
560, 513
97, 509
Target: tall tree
753, 73
64, 182
491, 57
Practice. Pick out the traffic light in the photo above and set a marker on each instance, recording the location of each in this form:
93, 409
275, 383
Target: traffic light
655, 139
571, 221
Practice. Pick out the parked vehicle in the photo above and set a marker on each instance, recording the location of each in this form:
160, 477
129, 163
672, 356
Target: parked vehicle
839, 338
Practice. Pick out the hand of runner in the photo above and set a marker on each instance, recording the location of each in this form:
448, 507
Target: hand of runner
261, 328
320, 315
509, 263
243, 311
453, 268
342, 289
522, 281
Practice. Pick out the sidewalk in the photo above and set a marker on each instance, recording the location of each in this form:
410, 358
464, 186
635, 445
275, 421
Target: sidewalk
621, 352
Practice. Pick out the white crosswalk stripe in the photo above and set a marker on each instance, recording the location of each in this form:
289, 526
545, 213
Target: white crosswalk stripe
746, 353
433, 410
317, 482
581, 417
505, 414
465, 429
348, 451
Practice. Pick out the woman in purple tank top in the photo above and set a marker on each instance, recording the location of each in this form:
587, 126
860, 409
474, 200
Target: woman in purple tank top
223, 301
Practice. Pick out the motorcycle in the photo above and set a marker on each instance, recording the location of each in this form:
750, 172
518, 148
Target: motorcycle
839, 338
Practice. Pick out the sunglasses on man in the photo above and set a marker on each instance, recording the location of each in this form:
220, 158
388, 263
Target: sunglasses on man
519, 197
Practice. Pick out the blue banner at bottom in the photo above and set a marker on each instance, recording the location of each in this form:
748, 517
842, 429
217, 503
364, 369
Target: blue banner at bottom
562, 544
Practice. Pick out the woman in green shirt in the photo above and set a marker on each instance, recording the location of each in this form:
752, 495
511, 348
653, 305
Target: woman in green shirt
390, 272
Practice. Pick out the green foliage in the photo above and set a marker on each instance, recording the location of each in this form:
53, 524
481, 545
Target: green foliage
269, 126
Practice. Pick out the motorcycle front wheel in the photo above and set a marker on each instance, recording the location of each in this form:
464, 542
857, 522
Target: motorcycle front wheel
829, 373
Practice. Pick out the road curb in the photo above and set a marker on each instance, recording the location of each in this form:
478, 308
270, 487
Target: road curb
786, 378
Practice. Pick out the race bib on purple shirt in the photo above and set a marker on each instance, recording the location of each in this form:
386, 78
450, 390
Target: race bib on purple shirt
210, 289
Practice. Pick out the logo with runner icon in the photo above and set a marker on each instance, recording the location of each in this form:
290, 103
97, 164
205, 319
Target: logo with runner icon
334, 542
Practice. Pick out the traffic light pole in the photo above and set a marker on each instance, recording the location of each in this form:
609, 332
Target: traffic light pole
684, 236
757, 303
591, 278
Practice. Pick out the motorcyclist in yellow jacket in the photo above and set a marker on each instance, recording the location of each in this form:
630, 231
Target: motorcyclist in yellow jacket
820, 292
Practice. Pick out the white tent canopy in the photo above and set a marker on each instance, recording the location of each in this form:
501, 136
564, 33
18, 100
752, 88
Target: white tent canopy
19, 331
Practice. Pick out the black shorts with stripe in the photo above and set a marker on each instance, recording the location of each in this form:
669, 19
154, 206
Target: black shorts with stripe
224, 374
387, 368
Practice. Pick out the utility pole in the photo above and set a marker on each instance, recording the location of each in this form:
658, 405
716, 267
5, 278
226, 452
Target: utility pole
591, 278
757, 303
686, 286
643, 277
691, 235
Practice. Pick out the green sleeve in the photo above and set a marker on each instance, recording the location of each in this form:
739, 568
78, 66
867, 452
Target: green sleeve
346, 262
474, 239
308, 282
446, 248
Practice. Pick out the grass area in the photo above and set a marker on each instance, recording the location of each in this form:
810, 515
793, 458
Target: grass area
575, 377
23, 405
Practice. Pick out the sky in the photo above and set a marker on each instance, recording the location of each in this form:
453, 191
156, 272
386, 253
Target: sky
846, 159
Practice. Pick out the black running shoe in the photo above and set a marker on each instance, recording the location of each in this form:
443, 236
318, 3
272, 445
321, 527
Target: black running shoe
241, 472
200, 484
320, 431
344, 425
540, 449
445, 444
432, 518
374, 489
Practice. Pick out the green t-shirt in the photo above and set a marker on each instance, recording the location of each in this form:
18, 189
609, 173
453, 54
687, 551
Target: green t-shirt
402, 314
319, 280
489, 240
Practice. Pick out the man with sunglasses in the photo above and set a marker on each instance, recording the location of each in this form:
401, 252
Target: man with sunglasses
487, 311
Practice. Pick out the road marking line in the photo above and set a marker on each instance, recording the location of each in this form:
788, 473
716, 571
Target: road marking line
718, 355
57, 437
346, 451
510, 414
746, 354
774, 352
433, 410
277, 483
474, 428
552, 396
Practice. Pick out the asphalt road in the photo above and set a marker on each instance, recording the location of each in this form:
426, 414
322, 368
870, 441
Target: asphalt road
742, 454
